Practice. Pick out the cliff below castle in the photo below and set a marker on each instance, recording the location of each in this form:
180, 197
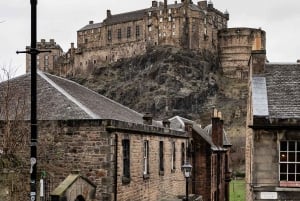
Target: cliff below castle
169, 81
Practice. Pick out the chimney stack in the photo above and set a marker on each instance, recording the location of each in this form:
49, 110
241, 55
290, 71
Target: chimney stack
217, 128
147, 119
257, 62
91, 22
154, 4
166, 123
202, 5
108, 13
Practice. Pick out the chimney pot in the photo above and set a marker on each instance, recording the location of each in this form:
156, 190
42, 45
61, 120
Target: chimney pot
91, 22
298, 61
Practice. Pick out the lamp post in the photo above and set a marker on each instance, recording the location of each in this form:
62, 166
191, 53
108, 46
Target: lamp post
187, 170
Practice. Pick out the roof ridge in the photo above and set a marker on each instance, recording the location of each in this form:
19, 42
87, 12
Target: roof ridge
108, 99
67, 95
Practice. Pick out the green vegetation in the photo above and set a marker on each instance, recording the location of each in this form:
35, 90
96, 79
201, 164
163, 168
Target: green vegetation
237, 190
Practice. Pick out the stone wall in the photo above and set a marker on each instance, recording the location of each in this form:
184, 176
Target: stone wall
89, 146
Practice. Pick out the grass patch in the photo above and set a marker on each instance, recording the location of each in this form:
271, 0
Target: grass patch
237, 190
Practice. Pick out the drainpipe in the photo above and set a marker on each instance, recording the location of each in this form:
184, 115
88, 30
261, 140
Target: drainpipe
116, 168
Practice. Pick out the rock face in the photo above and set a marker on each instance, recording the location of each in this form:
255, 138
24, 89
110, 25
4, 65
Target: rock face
168, 81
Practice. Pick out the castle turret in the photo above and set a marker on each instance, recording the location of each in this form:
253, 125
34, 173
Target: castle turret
226, 14
210, 4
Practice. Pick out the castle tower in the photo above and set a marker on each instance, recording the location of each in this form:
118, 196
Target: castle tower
235, 47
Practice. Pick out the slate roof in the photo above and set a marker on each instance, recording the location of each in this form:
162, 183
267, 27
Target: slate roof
177, 123
282, 82
91, 26
62, 99
125, 17
134, 16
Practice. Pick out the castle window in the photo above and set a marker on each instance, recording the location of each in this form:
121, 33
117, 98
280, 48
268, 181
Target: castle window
146, 157
161, 157
160, 12
164, 34
161, 19
289, 163
109, 34
119, 34
128, 32
137, 31
95, 61
170, 11
150, 28
205, 21
126, 160
149, 14
170, 18
86, 40
159, 34
92, 31
173, 158
174, 26
173, 33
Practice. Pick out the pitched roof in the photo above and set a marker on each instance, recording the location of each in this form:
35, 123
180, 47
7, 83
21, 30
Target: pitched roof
282, 83
62, 99
178, 122
125, 17
91, 26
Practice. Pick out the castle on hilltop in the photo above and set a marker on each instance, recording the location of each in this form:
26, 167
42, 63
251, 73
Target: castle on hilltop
197, 27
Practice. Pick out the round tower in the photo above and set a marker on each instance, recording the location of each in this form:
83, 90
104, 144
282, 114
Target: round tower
235, 47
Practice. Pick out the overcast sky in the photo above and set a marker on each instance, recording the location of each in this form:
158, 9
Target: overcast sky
60, 19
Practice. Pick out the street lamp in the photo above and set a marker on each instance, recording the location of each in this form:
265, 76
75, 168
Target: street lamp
187, 170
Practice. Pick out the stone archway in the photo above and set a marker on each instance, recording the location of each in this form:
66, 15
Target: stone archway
79, 198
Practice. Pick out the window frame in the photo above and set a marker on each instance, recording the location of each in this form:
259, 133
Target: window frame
137, 31
146, 159
126, 160
128, 32
173, 157
289, 163
119, 34
161, 158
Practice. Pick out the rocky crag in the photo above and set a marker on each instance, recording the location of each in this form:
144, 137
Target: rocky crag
169, 81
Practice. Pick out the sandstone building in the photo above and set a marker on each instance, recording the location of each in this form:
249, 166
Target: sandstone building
199, 27
48, 60
117, 153
273, 128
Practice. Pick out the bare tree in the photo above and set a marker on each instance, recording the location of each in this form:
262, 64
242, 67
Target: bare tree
13, 138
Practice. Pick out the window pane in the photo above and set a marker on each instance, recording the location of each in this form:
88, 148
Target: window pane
297, 177
298, 157
291, 168
283, 146
283, 156
291, 157
283, 168
291, 177
283, 177
292, 146
298, 168
298, 146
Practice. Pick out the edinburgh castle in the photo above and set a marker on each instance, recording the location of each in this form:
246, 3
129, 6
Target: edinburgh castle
198, 27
